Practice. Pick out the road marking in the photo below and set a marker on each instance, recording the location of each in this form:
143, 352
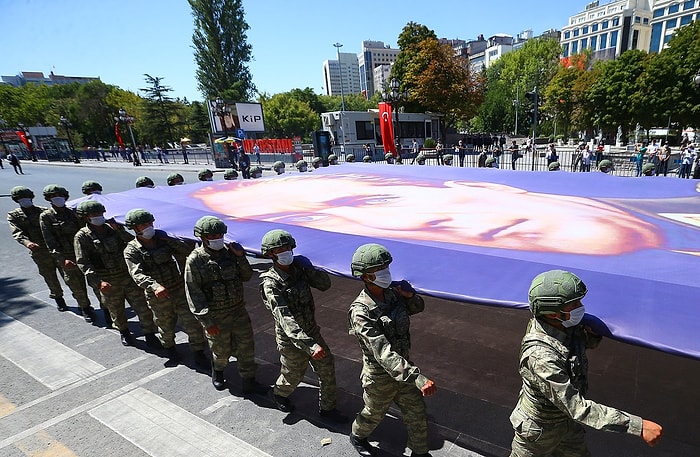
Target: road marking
6, 406
161, 428
41, 444
219, 404
84, 407
45, 359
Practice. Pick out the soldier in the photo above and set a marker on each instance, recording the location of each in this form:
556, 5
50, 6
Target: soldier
151, 259
648, 169
26, 229
145, 181
389, 158
333, 159
91, 187
554, 367
256, 172
99, 253
230, 175
491, 163
447, 159
58, 226
316, 162
606, 166
379, 318
302, 166
350, 158
286, 292
367, 159
278, 167
214, 275
205, 174
175, 179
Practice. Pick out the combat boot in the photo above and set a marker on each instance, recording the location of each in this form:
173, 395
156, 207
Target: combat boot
152, 341
282, 403
61, 304
251, 386
217, 378
127, 338
362, 446
173, 357
200, 359
108, 318
89, 314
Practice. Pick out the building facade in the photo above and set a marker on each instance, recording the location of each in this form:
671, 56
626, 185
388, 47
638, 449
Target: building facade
374, 54
345, 72
667, 16
37, 77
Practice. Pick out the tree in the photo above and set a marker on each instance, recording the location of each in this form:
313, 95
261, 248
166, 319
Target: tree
159, 111
198, 126
286, 116
221, 49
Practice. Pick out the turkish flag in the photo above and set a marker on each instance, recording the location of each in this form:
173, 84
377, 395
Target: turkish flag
119, 136
386, 128
24, 139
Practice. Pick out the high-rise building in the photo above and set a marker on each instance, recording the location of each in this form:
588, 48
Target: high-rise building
37, 77
667, 16
374, 54
348, 68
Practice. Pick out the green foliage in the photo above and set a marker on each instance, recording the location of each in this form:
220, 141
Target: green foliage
159, 112
286, 116
429, 143
221, 50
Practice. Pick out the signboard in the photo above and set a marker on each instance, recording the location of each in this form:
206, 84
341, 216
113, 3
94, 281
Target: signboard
245, 116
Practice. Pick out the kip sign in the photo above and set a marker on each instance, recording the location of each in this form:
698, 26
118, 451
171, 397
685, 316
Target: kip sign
250, 116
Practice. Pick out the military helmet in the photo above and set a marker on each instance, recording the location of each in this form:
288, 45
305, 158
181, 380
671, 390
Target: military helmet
173, 178
552, 290
490, 161
144, 181
18, 192
230, 174
398, 160
367, 158
90, 187
276, 239
256, 171
369, 256
277, 166
388, 156
333, 159
55, 189
89, 207
137, 217
204, 173
554, 166
316, 162
420, 158
350, 158
648, 169
605, 165
447, 159
302, 163
209, 225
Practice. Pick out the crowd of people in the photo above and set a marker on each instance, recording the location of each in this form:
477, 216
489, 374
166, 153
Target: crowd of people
199, 283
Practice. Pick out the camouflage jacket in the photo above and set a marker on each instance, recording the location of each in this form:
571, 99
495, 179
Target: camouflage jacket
155, 266
214, 282
554, 369
100, 253
25, 226
59, 228
288, 296
383, 331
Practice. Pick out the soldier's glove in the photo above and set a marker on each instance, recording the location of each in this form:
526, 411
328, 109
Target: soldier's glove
303, 262
403, 285
236, 248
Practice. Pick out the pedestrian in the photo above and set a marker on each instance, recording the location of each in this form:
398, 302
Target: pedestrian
687, 159
440, 152
415, 149
514, 153
481, 159
586, 159
13, 160
256, 151
99, 253
58, 225
379, 318
286, 291
552, 406
461, 150
151, 260
184, 153
664, 158
552, 155
214, 277
244, 164
639, 159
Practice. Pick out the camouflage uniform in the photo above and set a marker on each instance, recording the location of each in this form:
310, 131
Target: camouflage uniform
25, 228
289, 298
382, 329
551, 406
99, 254
58, 227
214, 286
152, 267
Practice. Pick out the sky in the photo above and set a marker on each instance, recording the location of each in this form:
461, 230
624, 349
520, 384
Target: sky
119, 41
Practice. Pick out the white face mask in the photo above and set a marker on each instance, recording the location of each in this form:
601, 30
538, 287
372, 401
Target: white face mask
217, 244
382, 278
99, 220
59, 202
148, 232
25, 202
575, 317
285, 258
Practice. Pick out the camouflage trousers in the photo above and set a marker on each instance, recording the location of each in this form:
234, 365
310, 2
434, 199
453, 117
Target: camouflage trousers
235, 338
124, 288
75, 281
294, 363
165, 314
560, 439
379, 392
47, 266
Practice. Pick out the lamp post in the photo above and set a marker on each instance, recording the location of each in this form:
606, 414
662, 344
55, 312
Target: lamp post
393, 97
67, 126
337, 47
128, 120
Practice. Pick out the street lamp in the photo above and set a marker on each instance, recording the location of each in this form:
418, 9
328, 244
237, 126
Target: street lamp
222, 110
67, 126
393, 97
337, 47
128, 120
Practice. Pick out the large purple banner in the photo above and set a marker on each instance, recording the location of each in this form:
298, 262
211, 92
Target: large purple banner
478, 235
